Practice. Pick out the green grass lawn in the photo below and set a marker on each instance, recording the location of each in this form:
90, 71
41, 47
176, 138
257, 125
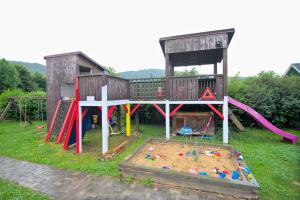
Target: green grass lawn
276, 165
12, 191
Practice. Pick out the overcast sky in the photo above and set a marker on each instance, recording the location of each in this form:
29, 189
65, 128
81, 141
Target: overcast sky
125, 34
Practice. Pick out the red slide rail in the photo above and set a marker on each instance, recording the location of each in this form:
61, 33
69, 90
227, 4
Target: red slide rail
53, 120
67, 118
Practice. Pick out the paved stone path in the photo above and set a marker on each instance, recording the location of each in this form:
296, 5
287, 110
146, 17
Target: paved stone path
63, 184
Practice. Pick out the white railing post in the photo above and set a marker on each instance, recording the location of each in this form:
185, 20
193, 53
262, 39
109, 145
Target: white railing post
80, 127
167, 119
104, 120
225, 121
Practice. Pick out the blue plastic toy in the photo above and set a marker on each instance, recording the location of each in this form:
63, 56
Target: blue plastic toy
203, 173
247, 170
222, 175
235, 175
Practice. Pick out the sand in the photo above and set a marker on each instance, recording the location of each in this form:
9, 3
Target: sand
167, 155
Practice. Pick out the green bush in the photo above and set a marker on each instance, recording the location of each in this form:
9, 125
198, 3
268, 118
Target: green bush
276, 98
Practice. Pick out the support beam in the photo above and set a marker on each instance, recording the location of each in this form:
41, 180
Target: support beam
134, 109
159, 110
53, 120
216, 111
69, 131
110, 111
235, 120
225, 121
6, 110
77, 127
128, 129
80, 127
167, 115
225, 70
66, 121
105, 130
216, 68
118, 118
175, 109
137, 122
171, 71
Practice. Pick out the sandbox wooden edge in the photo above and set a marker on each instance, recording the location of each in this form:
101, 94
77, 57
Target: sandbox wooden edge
169, 178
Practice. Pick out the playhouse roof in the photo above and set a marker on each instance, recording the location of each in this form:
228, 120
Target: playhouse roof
78, 53
197, 48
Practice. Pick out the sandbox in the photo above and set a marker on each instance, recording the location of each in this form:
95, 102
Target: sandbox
206, 168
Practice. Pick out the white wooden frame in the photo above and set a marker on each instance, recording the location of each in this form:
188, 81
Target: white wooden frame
105, 103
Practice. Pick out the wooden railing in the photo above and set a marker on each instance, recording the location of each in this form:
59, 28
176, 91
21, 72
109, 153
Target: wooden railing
187, 88
147, 89
190, 88
117, 88
90, 85
174, 88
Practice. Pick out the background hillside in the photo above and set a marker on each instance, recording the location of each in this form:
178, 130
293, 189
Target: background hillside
144, 73
32, 67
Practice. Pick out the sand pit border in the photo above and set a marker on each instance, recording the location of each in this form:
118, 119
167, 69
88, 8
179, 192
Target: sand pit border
246, 189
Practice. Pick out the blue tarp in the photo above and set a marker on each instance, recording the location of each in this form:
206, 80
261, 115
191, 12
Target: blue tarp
86, 125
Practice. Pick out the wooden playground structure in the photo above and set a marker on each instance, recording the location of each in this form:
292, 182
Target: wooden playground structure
76, 78
78, 87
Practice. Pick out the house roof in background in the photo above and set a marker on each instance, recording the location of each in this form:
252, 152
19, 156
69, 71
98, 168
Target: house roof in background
295, 66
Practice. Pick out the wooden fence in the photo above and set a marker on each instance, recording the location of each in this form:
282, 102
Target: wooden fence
117, 88
175, 88
147, 89
90, 85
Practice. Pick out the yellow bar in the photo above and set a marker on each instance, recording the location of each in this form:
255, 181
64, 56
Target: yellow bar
128, 120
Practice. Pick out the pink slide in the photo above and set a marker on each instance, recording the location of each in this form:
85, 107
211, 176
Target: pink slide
260, 119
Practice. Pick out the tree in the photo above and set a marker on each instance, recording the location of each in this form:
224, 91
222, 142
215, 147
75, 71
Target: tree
192, 72
112, 71
39, 80
26, 81
9, 77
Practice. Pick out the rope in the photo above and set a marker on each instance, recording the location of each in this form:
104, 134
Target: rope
25, 112
20, 111
42, 110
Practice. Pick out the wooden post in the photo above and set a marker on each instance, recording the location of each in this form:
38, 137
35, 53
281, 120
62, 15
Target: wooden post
118, 118
171, 71
171, 68
235, 120
225, 121
225, 70
215, 68
104, 120
167, 87
137, 121
167, 120
6, 110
